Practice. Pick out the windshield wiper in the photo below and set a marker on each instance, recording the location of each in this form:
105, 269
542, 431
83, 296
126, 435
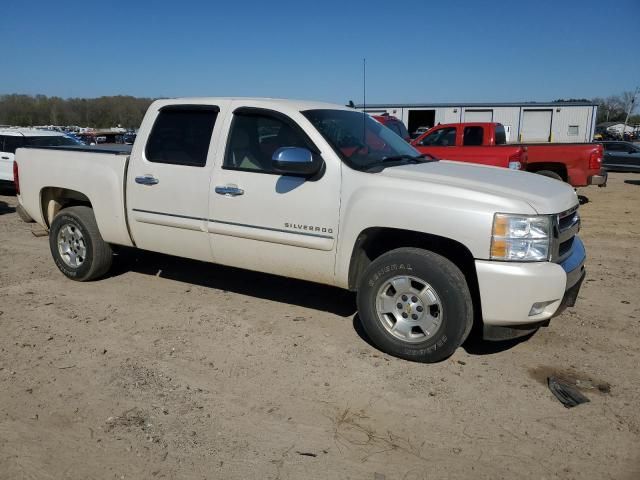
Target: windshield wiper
380, 165
422, 158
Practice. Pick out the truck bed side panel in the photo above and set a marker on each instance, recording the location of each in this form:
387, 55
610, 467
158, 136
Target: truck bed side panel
98, 176
575, 157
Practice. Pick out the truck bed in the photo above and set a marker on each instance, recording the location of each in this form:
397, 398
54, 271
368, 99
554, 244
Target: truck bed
96, 174
108, 149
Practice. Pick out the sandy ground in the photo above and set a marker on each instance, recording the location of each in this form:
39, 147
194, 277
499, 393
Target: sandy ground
177, 369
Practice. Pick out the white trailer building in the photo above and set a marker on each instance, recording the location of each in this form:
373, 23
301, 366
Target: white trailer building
525, 122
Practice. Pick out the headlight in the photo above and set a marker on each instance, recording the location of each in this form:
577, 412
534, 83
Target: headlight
521, 238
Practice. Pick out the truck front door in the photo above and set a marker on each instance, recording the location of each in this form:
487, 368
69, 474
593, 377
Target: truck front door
440, 142
264, 221
169, 177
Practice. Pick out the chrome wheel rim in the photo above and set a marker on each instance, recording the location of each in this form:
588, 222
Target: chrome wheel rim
71, 245
409, 308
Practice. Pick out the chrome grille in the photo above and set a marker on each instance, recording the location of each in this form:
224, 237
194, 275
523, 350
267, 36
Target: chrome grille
567, 226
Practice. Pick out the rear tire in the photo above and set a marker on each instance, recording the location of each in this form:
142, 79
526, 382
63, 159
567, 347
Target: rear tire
550, 174
415, 304
77, 247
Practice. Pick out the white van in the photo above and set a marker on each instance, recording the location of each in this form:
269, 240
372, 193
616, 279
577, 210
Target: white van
12, 138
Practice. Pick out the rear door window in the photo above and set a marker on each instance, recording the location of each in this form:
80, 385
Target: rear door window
181, 135
473, 136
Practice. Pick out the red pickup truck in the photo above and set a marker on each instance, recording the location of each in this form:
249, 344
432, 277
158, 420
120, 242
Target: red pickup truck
578, 164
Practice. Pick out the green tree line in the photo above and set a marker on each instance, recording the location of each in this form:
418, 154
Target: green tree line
127, 111
102, 112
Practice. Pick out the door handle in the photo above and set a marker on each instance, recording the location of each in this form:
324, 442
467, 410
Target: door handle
147, 180
229, 190
5, 158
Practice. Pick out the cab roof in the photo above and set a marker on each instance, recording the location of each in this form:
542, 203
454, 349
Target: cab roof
270, 103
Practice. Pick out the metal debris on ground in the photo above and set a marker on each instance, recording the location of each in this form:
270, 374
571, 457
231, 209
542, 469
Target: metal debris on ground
38, 231
568, 395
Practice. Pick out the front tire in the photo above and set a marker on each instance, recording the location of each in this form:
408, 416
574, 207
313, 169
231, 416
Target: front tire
77, 247
415, 304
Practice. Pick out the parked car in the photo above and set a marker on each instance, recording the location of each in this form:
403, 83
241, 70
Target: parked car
419, 131
621, 157
13, 138
394, 124
129, 138
76, 138
334, 198
578, 164
471, 143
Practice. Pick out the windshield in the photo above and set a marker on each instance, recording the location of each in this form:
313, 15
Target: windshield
359, 140
49, 141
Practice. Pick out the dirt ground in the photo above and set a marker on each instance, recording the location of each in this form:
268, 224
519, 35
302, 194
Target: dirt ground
177, 369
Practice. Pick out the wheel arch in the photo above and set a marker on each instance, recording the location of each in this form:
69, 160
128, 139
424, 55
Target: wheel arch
375, 241
54, 199
557, 167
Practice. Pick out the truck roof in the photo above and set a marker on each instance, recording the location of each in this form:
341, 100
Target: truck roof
29, 132
292, 104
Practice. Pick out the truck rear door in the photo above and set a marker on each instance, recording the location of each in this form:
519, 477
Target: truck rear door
169, 177
269, 222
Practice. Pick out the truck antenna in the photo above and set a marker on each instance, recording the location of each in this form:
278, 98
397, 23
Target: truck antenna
364, 83
364, 98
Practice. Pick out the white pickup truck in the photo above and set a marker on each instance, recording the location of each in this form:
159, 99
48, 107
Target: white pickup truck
320, 192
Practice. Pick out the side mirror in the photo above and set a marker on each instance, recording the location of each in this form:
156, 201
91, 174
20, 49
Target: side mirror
295, 161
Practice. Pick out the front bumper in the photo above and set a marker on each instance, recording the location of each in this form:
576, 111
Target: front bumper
599, 180
509, 291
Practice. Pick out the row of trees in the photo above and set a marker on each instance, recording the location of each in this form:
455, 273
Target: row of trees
611, 109
615, 107
28, 110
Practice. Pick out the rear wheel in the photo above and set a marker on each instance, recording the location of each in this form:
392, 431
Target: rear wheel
550, 174
415, 304
77, 246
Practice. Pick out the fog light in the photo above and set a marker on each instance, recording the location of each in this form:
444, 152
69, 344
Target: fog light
538, 307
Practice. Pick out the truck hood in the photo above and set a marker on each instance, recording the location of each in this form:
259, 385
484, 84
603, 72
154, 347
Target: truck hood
545, 195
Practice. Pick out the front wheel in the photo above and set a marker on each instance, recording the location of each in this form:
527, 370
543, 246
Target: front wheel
415, 304
76, 245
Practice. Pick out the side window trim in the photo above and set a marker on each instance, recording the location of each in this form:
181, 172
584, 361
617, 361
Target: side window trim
264, 112
283, 118
182, 108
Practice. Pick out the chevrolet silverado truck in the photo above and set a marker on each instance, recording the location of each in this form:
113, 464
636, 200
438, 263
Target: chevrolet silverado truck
323, 193
579, 164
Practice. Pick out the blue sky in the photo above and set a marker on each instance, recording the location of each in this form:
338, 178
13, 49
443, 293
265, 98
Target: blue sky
416, 51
